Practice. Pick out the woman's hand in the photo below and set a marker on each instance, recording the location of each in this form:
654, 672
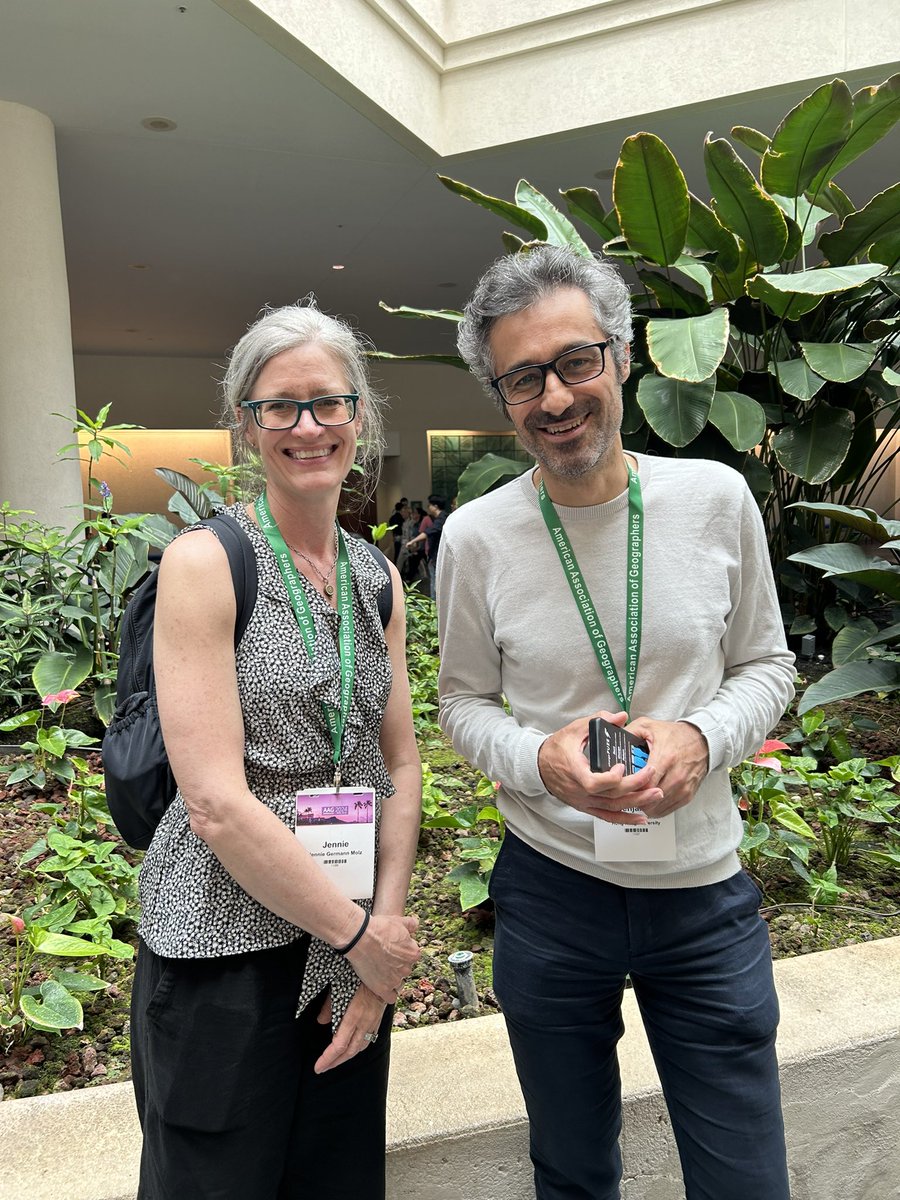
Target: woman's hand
363, 1016
385, 954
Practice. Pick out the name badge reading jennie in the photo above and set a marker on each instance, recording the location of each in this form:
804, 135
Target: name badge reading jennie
338, 830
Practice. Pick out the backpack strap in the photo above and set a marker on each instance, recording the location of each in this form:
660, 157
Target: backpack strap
242, 561
386, 595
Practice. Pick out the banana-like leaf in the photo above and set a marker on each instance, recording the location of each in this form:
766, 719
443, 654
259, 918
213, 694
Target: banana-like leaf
689, 348
706, 232
532, 225
447, 360
796, 378
886, 250
651, 198
839, 362
880, 217
423, 314
675, 411
835, 558
741, 205
485, 473
808, 138
865, 520
875, 112
584, 203
198, 503
807, 216
560, 230
758, 477
792, 295
55, 672
851, 641
697, 271
814, 448
751, 138
891, 377
669, 294
834, 199
738, 418
852, 679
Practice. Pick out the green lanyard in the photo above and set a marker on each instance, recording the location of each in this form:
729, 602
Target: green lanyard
336, 719
633, 590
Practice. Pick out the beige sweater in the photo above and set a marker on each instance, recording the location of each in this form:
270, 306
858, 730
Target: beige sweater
712, 649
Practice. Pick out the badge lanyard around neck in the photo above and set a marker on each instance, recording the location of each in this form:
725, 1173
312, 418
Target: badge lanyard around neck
336, 719
633, 589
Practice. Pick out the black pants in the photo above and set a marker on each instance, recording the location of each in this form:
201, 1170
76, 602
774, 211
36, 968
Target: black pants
228, 1102
701, 967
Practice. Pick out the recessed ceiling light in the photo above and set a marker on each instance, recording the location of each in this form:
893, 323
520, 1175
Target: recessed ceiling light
139, 266
158, 124
337, 266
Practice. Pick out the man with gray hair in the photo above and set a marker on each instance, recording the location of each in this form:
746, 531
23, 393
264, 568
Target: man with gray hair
637, 590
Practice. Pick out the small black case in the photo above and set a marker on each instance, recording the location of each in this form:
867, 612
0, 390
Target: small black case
609, 744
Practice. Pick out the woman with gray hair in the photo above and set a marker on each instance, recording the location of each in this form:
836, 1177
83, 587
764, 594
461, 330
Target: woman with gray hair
271, 947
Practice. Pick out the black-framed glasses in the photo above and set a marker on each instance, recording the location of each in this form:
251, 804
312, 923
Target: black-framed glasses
572, 366
285, 414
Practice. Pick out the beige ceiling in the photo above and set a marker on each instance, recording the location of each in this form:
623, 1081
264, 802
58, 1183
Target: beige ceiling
276, 171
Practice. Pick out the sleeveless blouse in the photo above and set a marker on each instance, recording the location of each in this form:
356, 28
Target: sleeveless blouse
191, 907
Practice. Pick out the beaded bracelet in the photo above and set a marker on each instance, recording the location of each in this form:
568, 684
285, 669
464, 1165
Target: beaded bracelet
362, 929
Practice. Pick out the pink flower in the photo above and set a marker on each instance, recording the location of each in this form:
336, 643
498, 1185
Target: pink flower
18, 925
63, 697
766, 748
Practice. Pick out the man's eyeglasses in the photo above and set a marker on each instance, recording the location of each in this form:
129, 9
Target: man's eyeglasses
573, 366
285, 414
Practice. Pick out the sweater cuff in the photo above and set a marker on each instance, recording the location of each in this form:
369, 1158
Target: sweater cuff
528, 780
716, 740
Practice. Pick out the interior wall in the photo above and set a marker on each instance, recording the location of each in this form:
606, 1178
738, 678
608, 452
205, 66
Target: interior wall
181, 393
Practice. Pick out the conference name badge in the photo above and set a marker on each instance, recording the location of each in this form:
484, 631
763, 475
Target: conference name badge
653, 842
337, 828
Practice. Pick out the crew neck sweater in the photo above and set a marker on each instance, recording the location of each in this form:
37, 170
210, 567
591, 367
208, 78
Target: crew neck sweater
712, 652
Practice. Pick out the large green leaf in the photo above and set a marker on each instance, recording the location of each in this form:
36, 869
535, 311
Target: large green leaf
560, 230
706, 232
875, 111
501, 208
688, 348
675, 411
445, 360
815, 447
789, 305
880, 217
55, 672
698, 272
808, 138
63, 945
741, 205
820, 281
835, 558
751, 138
886, 251
738, 418
423, 314
839, 362
807, 216
867, 521
796, 378
672, 295
585, 204
485, 473
850, 642
651, 198
56, 1008
758, 477
852, 679
197, 505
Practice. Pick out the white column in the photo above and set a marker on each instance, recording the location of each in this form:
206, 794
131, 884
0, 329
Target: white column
36, 370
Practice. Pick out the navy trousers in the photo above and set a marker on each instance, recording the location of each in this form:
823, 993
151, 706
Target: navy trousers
223, 1078
701, 968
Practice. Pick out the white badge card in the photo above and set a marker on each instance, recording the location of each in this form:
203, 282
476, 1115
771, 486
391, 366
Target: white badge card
337, 827
653, 842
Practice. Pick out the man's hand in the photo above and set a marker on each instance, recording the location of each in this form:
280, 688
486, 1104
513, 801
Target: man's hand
384, 955
363, 1016
679, 758
604, 794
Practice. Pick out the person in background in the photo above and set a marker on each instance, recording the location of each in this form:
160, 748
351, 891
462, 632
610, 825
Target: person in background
261, 1011
637, 590
396, 521
429, 535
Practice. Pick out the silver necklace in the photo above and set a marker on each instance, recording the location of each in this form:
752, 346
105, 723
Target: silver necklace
327, 585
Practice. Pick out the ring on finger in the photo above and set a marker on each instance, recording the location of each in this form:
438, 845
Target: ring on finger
371, 1038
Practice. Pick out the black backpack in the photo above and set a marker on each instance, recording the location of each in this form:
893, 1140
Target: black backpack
139, 781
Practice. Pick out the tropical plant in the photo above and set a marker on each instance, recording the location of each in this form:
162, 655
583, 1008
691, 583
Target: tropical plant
47, 755
422, 662
477, 849
767, 319
865, 652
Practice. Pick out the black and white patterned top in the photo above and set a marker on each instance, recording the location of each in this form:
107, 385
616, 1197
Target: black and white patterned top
191, 907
